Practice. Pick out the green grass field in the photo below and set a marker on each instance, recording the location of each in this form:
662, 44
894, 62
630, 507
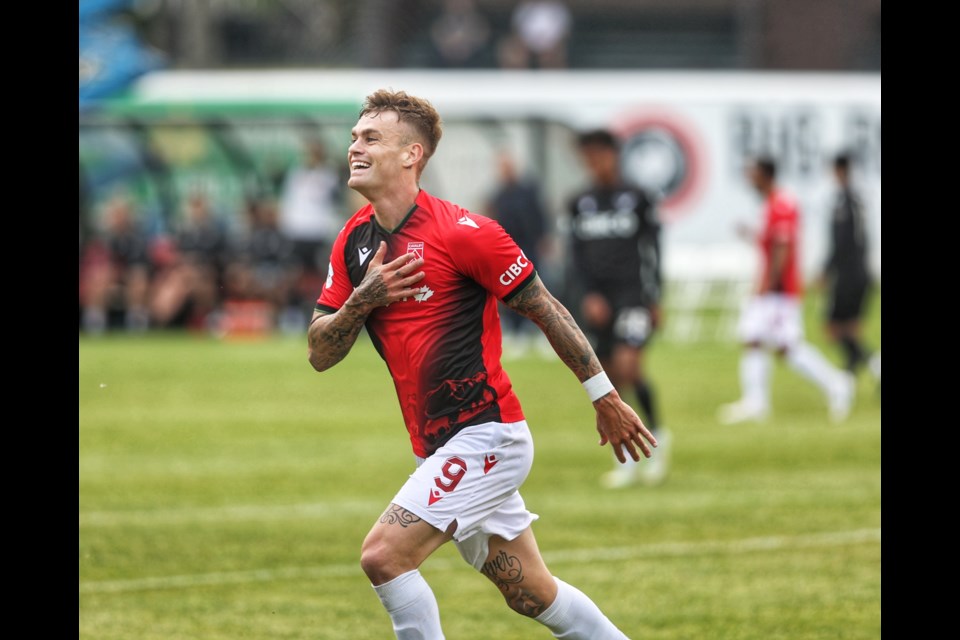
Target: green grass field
225, 489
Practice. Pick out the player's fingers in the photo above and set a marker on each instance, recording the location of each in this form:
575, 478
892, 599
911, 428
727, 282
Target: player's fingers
648, 435
378, 256
404, 293
619, 453
408, 268
409, 280
407, 260
641, 443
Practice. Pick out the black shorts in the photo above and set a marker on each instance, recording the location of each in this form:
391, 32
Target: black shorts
631, 324
848, 293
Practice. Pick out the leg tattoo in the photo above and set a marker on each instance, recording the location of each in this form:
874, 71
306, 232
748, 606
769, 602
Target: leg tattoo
398, 515
504, 570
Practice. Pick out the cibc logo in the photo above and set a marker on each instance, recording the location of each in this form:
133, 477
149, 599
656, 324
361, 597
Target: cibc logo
514, 270
662, 153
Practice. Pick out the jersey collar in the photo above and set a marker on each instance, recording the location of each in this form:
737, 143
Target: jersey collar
416, 204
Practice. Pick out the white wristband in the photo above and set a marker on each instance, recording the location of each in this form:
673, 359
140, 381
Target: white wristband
598, 386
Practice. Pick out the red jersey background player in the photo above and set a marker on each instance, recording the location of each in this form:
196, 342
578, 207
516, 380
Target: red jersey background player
772, 319
423, 276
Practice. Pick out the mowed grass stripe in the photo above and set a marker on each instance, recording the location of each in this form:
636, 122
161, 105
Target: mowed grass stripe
600, 554
234, 513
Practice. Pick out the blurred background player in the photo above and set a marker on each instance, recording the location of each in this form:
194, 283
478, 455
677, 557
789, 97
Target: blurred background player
517, 206
615, 250
772, 319
310, 218
846, 274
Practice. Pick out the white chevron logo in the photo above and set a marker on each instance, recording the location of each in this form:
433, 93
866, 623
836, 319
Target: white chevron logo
468, 222
364, 254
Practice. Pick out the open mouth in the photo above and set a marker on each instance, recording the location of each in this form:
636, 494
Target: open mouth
357, 165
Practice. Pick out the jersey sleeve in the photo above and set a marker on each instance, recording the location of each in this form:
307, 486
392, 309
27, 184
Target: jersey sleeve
489, 256
337, 287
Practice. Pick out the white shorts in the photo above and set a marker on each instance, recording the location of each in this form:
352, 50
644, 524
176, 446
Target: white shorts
474, 480
773, 320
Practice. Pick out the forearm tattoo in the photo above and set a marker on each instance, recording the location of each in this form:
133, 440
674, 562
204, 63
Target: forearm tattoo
536, 303
331, 337
398, 515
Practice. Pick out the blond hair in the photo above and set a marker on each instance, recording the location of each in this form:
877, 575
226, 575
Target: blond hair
416, 112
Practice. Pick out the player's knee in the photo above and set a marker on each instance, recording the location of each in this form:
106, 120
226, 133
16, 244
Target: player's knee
379, 562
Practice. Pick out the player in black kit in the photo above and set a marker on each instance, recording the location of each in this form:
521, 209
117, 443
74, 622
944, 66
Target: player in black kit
616, 277
846, 273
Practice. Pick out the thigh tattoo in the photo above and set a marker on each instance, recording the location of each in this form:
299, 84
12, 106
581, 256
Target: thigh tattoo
398, 515
504, 570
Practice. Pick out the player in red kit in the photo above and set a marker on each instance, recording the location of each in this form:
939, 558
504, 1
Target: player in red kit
424, 276
772, 319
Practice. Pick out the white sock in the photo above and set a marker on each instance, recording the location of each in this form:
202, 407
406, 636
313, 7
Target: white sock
755, 378
412, 607
574, 616
809, 363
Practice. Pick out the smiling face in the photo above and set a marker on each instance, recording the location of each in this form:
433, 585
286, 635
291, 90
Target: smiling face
383, 154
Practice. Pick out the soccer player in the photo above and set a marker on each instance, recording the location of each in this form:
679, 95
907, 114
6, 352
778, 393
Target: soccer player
615, 252
772, 319
423, 276
846, 273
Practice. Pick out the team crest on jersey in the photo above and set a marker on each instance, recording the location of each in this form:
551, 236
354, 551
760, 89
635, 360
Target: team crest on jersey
416, 248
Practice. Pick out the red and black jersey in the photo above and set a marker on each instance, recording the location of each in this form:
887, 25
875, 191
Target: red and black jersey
443, 345
781, 223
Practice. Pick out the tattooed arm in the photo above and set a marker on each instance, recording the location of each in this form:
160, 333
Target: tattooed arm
617, 422
331, 336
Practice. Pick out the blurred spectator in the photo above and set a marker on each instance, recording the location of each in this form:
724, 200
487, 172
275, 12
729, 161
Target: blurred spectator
539, 37
201, 238
309, 212
517, 206
310, 218
115, 272
460, 34
258, 276
846, 273
260, 268
187, 291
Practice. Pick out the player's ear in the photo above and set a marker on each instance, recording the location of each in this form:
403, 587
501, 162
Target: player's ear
412, 154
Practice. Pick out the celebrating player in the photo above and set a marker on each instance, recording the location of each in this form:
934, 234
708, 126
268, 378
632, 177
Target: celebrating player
616, 271
424, 275
772, 318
